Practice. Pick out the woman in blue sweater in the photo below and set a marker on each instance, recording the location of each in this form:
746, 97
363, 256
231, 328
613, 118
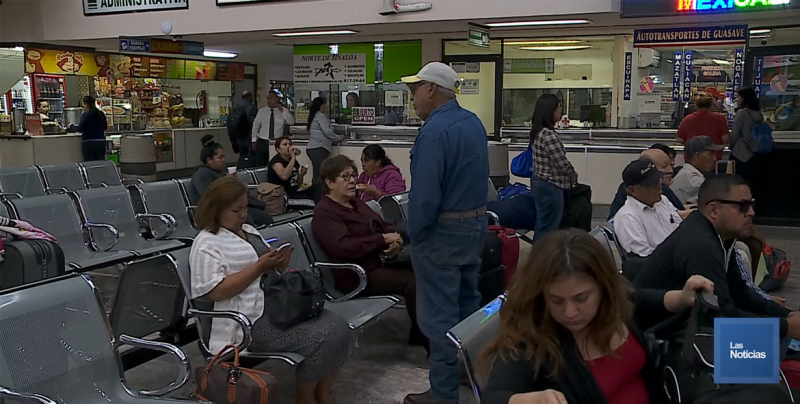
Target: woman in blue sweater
92, 127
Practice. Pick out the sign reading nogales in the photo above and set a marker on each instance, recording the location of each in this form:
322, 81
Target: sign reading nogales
350, 68
746, 350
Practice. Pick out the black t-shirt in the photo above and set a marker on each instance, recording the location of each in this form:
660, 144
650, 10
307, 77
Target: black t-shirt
273, 178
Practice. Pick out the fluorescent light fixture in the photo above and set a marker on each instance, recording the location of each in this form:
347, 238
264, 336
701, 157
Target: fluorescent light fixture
333, 49
555, 48
219, 54
18, 48
721, 62
535, 23
315, 33
760, 31
538, 43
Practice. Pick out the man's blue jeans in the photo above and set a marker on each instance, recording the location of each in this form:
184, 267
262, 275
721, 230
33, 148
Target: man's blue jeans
446, 264
549, 200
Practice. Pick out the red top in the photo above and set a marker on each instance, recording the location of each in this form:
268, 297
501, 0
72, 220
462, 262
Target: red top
704, 123
620, 377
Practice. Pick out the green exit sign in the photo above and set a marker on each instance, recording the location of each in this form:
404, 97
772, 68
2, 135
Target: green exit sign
479, 37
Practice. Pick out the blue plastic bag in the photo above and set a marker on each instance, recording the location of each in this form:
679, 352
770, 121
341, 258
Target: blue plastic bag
522, 165
513, 190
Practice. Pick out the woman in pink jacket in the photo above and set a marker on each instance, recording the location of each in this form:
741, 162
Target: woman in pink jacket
379, 177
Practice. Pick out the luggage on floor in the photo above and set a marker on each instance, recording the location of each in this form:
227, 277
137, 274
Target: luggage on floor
518, 212
30, 261
492, 275
578, 208
513, 190
228, 383
778, 268
509, 243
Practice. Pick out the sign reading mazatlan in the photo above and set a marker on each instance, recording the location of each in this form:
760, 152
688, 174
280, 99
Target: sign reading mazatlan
650, 8
734, 34
99, 7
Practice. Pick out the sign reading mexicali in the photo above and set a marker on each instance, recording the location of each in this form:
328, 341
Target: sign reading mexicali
651, 8
98, 7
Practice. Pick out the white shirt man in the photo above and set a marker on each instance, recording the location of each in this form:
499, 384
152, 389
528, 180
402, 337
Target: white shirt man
261, 126
647, 217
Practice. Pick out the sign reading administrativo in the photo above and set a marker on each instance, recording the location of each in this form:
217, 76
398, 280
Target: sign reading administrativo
98, 7
330, 69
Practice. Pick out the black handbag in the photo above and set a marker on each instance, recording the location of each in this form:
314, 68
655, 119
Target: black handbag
292, 297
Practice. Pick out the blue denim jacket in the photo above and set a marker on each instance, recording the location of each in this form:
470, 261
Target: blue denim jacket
449, 167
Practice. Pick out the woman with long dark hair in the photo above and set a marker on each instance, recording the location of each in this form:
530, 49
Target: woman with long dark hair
570, 329
320, 135
92, 127
748, 114
553, 174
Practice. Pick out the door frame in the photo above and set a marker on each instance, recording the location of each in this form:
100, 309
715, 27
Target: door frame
498, 83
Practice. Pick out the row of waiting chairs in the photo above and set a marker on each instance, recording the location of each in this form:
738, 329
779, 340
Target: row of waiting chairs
23, 182
66, 354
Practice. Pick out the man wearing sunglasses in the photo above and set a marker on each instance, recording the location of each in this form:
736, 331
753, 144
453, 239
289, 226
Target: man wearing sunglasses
703, 245
446, 219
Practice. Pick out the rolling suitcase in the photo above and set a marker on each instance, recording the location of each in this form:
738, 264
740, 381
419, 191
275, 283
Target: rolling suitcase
30, 261
492, 274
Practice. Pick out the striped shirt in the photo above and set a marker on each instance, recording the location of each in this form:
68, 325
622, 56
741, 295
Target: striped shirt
214, 257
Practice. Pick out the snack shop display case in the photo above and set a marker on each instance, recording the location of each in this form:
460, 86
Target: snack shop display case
51, 88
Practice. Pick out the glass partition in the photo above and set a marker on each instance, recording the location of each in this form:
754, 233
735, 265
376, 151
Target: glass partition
578, 70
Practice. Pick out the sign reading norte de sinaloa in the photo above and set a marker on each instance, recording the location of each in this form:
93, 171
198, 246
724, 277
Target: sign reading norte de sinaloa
91, 7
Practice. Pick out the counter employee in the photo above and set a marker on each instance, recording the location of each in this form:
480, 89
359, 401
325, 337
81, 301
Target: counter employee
48, 125
92, 127
271, 122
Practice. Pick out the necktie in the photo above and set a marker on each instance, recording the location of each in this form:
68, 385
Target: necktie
272, 123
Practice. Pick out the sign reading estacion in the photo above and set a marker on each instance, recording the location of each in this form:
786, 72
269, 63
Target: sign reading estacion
326, 69
734, 34
98, 7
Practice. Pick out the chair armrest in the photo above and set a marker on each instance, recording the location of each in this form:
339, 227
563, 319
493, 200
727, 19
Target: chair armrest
49, 190
362, 277
92, 243
5, 392
493, 216
137, 181
6, 194
165, 218
250, 186
240, 318
100, 185
184, 367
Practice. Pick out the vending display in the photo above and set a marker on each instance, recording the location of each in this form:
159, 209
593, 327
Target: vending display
52, 89
20, 95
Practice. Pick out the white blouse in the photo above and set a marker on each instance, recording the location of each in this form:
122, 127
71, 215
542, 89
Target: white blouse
214, 257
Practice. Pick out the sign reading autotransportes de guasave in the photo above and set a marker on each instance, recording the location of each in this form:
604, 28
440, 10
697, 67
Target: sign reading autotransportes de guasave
92, 7
321, 69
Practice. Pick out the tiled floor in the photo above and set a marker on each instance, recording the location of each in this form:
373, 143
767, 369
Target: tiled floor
385, 369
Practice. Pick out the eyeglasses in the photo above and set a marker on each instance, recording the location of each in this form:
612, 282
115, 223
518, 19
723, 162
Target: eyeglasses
348, 176
417, 86
744, 205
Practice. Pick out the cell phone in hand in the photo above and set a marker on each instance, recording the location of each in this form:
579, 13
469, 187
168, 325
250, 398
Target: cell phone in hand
271, 241
284, 246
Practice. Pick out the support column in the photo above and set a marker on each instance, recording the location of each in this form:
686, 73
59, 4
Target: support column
431, 49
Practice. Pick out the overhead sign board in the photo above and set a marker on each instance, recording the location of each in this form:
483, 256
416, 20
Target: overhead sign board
232, 2
478, 37
134, 45
100, 7
732, 34
349, 68
653, 8
177, 47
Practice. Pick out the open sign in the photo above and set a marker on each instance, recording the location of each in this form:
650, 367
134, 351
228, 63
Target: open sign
363, 116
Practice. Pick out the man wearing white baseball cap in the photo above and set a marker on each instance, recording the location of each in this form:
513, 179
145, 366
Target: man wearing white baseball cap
447, 219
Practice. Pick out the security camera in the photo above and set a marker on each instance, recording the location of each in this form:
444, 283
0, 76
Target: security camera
389, 8
763, 42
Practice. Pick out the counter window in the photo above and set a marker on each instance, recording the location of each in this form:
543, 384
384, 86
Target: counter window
667, 81
578, 70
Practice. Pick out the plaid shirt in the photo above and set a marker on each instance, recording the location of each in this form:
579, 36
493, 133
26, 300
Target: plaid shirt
550, 161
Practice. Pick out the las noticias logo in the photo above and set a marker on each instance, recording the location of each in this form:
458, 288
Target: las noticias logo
744, 354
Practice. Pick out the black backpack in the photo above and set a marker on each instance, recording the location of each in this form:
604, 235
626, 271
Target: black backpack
238, 123
688, 361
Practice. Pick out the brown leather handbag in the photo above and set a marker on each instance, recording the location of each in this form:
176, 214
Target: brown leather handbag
228, 383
